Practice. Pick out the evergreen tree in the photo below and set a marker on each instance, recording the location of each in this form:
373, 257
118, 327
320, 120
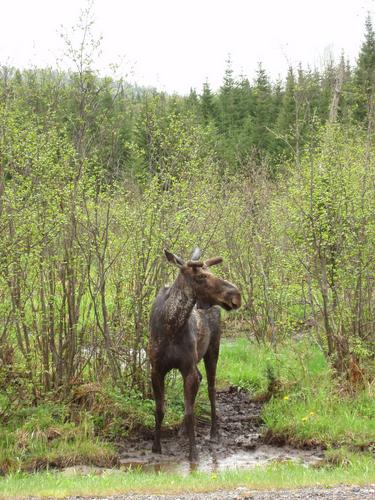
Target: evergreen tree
192, 101
287, 116
207, 103
347, 100
245, 99
243, 140
227, 100
278, 94
328, 82
365, 71
263, 112
286, 120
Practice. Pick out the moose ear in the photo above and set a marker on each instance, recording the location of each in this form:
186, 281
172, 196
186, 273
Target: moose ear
213, 262
171, 257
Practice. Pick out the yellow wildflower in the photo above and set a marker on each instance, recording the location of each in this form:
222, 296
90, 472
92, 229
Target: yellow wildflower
286, 398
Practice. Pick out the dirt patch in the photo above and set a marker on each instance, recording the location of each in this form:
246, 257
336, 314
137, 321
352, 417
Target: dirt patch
241, 444
276, 439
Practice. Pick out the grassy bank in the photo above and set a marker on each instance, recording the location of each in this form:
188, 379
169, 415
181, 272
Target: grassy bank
308, 403
359, 470
84, 429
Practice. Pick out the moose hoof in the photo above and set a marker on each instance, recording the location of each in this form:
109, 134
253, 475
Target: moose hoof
215, 439
156, 449
193, 456
183, 431
214, 436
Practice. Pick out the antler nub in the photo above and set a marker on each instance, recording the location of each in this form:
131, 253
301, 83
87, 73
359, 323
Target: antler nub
194, 263
196, 255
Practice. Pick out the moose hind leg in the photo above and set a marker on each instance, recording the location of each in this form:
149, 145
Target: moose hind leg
191, 386
210, 362
157, 380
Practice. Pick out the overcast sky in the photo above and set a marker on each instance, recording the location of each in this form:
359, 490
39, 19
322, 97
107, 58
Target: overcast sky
177, 44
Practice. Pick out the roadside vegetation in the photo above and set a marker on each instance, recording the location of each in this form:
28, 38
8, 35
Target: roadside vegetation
359, 470
97, 177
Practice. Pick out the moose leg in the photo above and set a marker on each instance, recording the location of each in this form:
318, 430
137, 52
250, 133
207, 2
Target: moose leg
191, 386
157, 380
183, 430
210, 362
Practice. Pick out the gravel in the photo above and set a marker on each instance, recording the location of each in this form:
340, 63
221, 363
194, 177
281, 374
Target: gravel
338, 492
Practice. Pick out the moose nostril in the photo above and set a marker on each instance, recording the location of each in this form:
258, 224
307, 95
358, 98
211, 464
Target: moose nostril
236, 301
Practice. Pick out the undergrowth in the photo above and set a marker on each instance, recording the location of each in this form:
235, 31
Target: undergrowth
305, 404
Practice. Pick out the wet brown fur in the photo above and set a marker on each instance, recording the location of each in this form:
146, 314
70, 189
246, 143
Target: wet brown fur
185, 327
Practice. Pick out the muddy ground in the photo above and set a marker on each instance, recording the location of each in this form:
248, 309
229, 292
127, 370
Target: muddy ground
240, 445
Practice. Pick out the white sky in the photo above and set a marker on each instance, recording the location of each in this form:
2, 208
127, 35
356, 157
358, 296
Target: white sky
177, 44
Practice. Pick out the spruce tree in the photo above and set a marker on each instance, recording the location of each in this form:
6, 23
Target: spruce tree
328, 82
287, 117
365, 72
347, 98
207, 103
263, 112
227, 100
192, 101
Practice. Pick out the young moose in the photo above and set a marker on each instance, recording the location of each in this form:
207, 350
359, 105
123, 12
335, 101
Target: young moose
184, 329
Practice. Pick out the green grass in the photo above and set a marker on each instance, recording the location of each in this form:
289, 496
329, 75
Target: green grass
244, 365
323, 417
360, 471
247, 364
309, 404
37, 438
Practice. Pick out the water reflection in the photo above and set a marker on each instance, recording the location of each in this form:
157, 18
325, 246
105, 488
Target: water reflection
210, 461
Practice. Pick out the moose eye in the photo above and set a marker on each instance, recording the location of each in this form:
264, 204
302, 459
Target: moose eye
201, 278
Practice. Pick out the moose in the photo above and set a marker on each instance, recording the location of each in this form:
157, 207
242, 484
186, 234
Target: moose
185, 327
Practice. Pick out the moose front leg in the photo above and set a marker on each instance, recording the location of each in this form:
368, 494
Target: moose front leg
191, 386
183, 432
157, 380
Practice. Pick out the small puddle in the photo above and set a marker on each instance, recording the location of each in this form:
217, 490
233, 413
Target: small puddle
262, 455
240, 445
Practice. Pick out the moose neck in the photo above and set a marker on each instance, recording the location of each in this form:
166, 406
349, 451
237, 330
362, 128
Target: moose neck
179, 304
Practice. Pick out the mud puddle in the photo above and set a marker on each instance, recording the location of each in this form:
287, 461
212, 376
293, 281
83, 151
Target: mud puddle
240, 443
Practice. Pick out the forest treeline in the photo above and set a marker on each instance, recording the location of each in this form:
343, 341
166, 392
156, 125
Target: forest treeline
249, 121
98, 176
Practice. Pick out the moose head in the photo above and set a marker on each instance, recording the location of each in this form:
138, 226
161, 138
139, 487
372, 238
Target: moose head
208, 289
